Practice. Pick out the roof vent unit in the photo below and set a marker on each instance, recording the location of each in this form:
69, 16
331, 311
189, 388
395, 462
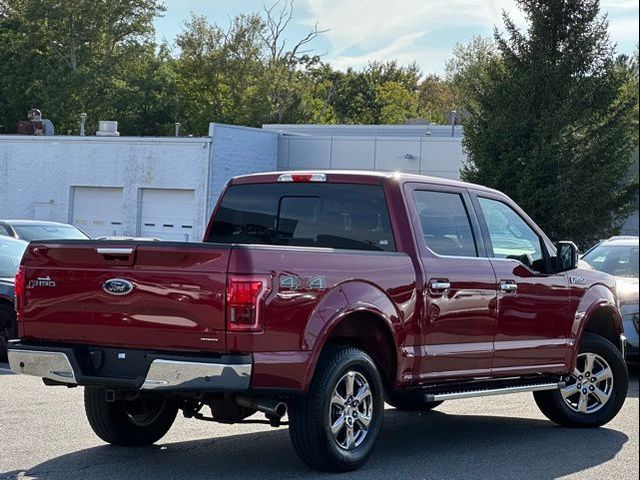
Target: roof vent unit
107, 129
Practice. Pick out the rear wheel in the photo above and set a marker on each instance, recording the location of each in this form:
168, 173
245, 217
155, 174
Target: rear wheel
335, 427
411, 402
142, 421
595, 391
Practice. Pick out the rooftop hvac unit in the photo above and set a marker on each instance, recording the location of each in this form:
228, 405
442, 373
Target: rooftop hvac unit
107, 128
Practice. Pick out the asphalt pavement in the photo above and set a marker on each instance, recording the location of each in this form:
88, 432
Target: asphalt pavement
44, 435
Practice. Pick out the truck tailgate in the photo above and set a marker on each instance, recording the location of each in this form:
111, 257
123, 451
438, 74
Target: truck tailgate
147, 295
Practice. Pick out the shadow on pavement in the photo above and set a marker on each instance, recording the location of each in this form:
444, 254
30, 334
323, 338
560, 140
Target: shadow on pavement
431, 445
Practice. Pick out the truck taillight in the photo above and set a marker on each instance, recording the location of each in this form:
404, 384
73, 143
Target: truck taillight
19, 291
244, 302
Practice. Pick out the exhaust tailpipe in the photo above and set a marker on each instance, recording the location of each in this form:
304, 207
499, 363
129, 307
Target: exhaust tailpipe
274, 410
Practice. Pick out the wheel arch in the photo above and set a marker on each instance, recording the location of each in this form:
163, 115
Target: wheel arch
368, 323
597, 314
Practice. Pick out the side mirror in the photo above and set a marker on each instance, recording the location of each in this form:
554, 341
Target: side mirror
566, 256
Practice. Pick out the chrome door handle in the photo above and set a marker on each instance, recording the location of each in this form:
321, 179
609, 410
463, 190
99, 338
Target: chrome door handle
114, 251
440, 285
508, 286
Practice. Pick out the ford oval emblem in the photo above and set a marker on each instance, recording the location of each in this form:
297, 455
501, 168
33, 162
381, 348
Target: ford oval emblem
117, 286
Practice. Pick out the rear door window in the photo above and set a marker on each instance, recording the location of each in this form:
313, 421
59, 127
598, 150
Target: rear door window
446, 228
342, 216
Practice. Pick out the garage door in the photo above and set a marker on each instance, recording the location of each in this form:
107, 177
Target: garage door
98, 210
168, 214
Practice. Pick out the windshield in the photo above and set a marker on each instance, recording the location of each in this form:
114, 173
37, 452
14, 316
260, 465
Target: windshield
10, 256
618, 260
48, 232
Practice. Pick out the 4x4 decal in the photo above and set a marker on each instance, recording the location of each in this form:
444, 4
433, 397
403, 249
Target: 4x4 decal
296, 283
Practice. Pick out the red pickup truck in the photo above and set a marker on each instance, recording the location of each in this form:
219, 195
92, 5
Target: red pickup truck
319, 296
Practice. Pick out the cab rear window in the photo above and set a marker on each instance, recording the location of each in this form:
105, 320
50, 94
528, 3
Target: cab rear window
341, 216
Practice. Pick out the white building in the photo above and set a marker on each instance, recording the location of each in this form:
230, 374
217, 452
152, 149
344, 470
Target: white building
155, 187
167, 187
424, 149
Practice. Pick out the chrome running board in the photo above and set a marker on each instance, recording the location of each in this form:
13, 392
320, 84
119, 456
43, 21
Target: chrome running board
436, 397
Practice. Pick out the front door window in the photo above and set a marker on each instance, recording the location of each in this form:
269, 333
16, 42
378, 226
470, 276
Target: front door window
511, 237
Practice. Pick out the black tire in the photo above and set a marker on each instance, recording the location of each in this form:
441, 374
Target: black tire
410, 402
114, 423
310, 417
8, 328
554, 407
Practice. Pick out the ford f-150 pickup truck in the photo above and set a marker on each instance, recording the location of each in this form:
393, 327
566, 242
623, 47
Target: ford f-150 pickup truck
317, 296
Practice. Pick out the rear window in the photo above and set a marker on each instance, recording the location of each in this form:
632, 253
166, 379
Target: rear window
342, 216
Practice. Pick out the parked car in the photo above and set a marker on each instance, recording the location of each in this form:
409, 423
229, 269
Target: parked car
40, 230
618, 256
11, 251
320, 295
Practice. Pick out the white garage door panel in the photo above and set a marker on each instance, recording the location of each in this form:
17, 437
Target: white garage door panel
168, 214
98, 210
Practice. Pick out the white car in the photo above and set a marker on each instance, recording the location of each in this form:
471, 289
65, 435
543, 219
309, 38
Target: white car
618, 256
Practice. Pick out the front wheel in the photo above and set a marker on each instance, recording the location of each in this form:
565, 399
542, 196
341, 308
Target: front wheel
595, 391
136, 422
335, 427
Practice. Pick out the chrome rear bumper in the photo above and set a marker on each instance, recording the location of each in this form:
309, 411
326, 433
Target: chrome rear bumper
227, 373
52, 365
182, 375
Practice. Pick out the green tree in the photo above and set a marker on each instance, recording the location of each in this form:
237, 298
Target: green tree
67, 57
219, 73
246, 74
396, 103
554, 122
383, 92
288, 63
468, 69
352, 97
436, 97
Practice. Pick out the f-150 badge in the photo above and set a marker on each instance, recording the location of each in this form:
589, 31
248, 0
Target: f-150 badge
42, 282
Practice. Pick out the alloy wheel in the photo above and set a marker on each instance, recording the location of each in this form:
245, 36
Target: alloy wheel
351, 410
590, 386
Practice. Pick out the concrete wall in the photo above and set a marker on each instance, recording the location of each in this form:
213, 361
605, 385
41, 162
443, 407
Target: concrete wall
437, 156
38, 174
237, 151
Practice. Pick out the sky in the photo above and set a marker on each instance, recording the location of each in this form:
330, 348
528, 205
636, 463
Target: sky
360, 31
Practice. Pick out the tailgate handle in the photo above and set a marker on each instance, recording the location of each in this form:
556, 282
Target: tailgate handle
115, 251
